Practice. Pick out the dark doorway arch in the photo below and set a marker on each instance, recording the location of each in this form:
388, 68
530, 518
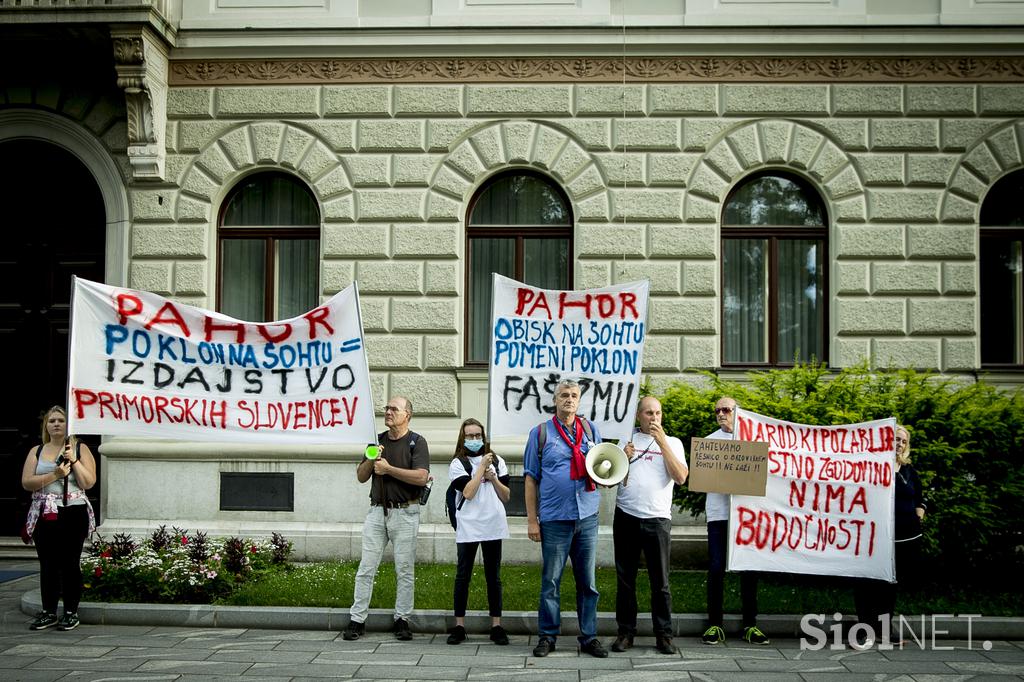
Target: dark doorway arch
53, 227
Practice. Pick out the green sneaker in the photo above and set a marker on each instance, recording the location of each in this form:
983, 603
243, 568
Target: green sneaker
713, 635
754, 635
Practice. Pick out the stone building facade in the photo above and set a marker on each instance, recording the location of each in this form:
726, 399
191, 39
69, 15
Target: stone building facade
646, 123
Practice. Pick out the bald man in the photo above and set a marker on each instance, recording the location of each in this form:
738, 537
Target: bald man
643, 524
397, 477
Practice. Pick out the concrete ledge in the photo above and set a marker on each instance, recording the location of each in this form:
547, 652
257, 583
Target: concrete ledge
945, 626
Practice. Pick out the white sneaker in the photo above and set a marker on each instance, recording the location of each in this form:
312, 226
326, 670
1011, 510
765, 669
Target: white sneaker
864, 645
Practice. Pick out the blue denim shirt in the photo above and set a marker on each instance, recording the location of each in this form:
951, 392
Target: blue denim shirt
561, 498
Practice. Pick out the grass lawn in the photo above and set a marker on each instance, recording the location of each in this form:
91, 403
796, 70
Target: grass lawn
330, 584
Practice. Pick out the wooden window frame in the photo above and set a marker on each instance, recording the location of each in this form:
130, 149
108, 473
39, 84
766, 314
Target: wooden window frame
520, 233
1012, 233
270, 234
773, 234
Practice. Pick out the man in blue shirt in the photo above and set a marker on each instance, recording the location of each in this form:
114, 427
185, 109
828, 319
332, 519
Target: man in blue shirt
565, 520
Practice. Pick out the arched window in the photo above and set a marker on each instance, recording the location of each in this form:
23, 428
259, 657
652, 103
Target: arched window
269, 238
774, 246
520, 226
1000, 267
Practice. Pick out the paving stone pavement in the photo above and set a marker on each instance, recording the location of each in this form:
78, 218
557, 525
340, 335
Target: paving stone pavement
145, 652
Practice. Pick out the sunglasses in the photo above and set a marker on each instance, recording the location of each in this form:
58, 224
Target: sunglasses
723, 410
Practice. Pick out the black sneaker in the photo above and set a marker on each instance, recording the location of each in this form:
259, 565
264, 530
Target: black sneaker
713, 635
595, 649
543, 648
402, 631
354, 630
622, 643
498, 635
664, 645
69, 621
43, 620
754, 635
458, 635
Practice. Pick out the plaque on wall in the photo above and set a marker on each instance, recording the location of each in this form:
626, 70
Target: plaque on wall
243, 491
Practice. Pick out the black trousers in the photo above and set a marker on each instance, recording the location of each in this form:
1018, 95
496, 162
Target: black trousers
59, 546
492, 573
718, 539
876, 599
633, 536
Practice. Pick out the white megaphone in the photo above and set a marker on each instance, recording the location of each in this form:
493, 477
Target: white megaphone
607, 464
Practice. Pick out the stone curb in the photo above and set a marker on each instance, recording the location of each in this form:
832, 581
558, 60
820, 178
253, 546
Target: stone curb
945, 626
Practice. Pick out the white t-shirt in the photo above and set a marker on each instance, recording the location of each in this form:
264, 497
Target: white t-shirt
716, 506
648, 492
483, 517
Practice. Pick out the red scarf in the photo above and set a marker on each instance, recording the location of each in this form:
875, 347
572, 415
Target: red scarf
578, 466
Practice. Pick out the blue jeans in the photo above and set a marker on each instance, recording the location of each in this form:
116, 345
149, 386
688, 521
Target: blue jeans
562, 540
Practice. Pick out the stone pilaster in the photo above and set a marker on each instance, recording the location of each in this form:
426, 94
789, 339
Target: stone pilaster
140, 58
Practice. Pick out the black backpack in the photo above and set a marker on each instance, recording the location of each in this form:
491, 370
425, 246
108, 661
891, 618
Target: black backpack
449, 497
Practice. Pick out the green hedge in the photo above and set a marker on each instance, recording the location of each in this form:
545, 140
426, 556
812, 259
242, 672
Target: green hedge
966, 443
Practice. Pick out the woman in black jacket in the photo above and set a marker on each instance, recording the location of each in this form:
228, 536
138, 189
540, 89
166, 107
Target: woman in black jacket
876, 599
910, 510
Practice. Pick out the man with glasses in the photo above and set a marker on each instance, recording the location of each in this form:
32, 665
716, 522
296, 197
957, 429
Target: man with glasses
397, 477
716, 509
561, 514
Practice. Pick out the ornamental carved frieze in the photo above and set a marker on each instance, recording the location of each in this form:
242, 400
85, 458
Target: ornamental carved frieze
597, 69
140, 59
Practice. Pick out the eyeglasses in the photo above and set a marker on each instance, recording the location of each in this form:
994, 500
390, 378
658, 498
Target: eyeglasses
391, 408
723, 410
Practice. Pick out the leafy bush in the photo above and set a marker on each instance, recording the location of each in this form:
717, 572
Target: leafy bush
967, 443
177, 567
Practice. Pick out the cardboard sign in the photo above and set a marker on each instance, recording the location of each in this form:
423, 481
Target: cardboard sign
828, 503
541, 336
728, 466
143, 365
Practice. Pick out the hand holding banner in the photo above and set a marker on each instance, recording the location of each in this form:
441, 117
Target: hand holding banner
143, 365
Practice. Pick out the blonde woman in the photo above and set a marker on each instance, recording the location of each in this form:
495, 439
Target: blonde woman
876, 599
910, 511
60, 518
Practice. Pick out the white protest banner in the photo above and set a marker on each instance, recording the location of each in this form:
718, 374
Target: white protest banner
828, 504
143, 365
540, 336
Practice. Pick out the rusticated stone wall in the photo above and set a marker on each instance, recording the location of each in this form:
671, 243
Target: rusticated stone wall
902, 168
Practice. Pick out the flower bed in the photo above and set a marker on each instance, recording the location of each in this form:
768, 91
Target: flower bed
176, 567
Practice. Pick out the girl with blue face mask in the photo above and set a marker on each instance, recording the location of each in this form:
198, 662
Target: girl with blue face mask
481, 479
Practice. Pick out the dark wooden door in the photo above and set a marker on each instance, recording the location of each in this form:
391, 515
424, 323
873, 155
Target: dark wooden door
52, 223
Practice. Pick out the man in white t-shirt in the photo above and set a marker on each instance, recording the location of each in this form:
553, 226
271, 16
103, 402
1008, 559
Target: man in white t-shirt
716, 509
643, 524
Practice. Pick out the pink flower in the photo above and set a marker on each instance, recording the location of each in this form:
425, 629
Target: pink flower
184, 540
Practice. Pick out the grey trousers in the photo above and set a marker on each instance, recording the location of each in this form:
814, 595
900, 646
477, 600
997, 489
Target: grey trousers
399, 527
